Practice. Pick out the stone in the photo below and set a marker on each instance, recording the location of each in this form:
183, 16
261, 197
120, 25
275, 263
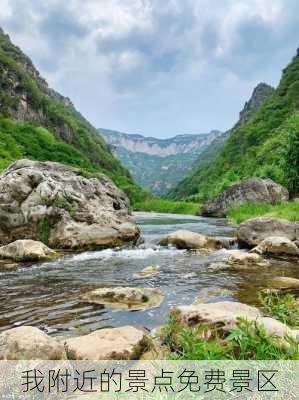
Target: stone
130, 298
252, 232
26, 250
212, 294
183, 239
238, 257
225, 313
57, 205
29, 343
124, 343
276, 328
148, 271
253, 190
277, 245
283, 282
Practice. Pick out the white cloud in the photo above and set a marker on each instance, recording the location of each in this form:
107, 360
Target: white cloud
153, 66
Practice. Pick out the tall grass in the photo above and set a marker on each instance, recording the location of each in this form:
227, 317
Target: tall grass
285, 210
167, 206
247, 341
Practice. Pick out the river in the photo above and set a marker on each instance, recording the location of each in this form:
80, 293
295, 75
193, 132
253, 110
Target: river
47, 295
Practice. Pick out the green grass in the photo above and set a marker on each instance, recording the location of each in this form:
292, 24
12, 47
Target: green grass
285, 210
167, 206
247, 341
282, 307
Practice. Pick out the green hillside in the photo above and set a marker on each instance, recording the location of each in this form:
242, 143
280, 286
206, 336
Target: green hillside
265, 146
38, 123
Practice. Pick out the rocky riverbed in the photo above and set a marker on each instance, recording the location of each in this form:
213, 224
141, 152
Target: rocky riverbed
56, 295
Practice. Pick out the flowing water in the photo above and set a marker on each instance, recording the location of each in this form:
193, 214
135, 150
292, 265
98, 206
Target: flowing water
47, 295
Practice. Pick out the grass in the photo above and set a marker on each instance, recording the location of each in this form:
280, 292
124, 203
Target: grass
285, 210
282, 307
167, 206
247, 341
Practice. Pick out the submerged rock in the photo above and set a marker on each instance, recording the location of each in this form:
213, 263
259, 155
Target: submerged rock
283, 282
54, 203
252, 232
131, 298
183, 239
148, 271
276, 245
253, 190
29, 343
125, 343
26, 250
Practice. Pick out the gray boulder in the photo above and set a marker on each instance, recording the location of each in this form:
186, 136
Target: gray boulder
252, 232
277, 245
29, 343
184, 239
26, 250
253, 190
55, 204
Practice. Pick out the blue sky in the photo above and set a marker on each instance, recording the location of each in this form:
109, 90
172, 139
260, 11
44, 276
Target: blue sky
156, 67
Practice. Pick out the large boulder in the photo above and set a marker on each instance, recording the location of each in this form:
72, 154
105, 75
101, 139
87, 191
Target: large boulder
29, 343
224, 313
54, 203
125, 343
252, 232
277, 245
253, 190
183, 239
130, 298
26, 250
227, 314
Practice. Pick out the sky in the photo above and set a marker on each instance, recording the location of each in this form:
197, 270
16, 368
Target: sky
156, 67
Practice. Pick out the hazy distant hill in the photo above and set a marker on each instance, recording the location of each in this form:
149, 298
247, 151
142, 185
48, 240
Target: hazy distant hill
158, 164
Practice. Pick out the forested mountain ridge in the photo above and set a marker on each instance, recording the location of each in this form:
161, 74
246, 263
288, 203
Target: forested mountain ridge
265, 145
158, 164
36, 122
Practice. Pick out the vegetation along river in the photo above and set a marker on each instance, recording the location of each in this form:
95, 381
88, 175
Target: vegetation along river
47, 295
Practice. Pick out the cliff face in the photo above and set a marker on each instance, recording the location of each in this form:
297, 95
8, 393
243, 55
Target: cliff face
260, 93
158, 164
25, 97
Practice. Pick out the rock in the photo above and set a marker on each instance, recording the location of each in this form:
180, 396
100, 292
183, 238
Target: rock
225, 313
277, 245
183, 239
29, 343
212, 294
131, 298
283, 282
148, 271
55, 204
125, 343
27, 250
253, 190
252, 232
238, 257
276, 328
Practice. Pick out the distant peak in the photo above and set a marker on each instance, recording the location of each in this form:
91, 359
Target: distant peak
259, 95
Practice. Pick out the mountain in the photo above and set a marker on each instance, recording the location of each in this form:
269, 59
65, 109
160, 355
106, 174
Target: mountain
38, 123
158, 164
215, 170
